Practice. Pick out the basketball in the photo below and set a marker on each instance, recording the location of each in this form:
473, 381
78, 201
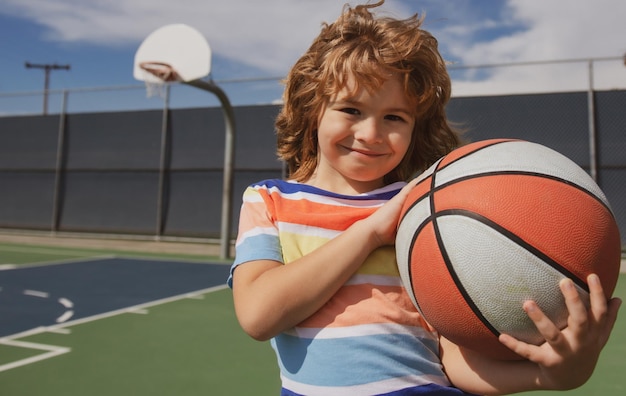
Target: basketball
493, 224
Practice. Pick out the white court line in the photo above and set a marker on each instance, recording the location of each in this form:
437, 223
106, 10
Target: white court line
36, 293
53, 350
66, 303
65, 261
65, 317
139, 311
58, 252
59, 331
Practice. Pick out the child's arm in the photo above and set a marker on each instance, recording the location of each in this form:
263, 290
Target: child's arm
270, 297
565, 361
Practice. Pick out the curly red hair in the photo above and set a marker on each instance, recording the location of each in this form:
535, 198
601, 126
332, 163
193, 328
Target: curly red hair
367, 48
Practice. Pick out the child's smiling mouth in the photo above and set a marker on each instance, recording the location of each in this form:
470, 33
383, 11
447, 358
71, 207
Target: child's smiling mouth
364, 152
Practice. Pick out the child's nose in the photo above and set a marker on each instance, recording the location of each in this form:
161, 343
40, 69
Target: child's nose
369, 131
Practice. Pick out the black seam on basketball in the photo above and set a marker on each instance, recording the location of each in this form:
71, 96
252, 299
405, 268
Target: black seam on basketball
428, 193
410, 258
518, 240
447, 261
527, 173
459, 284
427, 220
480, 149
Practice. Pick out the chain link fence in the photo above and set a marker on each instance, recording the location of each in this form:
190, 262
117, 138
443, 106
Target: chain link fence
111, 161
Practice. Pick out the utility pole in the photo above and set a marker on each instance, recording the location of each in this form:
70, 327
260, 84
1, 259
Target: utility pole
47, 68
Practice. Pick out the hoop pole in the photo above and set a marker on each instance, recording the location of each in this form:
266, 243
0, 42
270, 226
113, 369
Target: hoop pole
229, 159
163, 162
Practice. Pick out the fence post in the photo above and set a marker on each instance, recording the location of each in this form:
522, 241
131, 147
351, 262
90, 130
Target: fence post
59, 169
591, 115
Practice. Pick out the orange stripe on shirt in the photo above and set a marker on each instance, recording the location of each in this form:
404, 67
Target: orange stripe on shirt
365, 304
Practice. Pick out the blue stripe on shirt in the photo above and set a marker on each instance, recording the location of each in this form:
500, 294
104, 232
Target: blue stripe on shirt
257, 247
364, 359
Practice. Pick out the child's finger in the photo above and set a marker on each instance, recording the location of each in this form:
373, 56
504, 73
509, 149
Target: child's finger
578, 319
603, 312
599, 303
546, 327
523, 349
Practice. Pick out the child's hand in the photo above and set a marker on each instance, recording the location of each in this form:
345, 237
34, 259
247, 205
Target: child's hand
568, 357
384, 221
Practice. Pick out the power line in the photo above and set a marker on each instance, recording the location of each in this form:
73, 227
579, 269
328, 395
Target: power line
46, 68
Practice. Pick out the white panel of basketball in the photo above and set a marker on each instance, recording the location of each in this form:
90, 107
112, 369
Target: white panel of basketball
519, 156
499, 275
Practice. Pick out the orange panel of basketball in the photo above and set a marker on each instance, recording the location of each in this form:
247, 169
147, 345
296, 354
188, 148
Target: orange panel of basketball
498, 222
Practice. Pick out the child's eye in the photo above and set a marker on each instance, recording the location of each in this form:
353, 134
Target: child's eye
350, 110
393, 117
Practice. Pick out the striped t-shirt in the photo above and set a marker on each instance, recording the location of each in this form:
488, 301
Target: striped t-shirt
368, 338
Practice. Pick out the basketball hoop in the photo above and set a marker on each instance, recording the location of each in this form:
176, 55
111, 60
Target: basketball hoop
180, 53
156, 77
172, 53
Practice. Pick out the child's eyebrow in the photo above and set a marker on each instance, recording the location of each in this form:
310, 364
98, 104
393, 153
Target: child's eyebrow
345, 101
349, 101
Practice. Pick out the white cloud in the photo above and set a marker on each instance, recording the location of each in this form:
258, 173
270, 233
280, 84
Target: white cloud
269, 35
548, 30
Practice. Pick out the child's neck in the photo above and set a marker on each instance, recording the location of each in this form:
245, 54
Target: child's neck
344, 186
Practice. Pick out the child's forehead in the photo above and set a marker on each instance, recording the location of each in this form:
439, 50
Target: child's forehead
391, 93
352, 84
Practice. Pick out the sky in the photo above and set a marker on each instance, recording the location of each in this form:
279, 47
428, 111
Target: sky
252, 39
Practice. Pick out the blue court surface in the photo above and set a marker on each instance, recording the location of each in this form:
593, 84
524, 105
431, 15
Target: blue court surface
54, 294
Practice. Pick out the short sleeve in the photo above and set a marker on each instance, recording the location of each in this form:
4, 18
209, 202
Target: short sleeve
257, 238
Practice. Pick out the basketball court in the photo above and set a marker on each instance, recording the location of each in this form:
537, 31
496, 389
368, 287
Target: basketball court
143, 323
104, 322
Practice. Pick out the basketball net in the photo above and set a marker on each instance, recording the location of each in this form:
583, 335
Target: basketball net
165, 74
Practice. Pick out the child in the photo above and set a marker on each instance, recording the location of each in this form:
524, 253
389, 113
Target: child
315, 268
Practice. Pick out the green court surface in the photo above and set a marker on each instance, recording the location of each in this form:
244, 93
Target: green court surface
188, 346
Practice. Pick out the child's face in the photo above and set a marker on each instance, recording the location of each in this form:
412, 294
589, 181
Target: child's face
362, 136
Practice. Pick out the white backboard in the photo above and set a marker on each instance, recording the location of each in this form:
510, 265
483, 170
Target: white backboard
182, 47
